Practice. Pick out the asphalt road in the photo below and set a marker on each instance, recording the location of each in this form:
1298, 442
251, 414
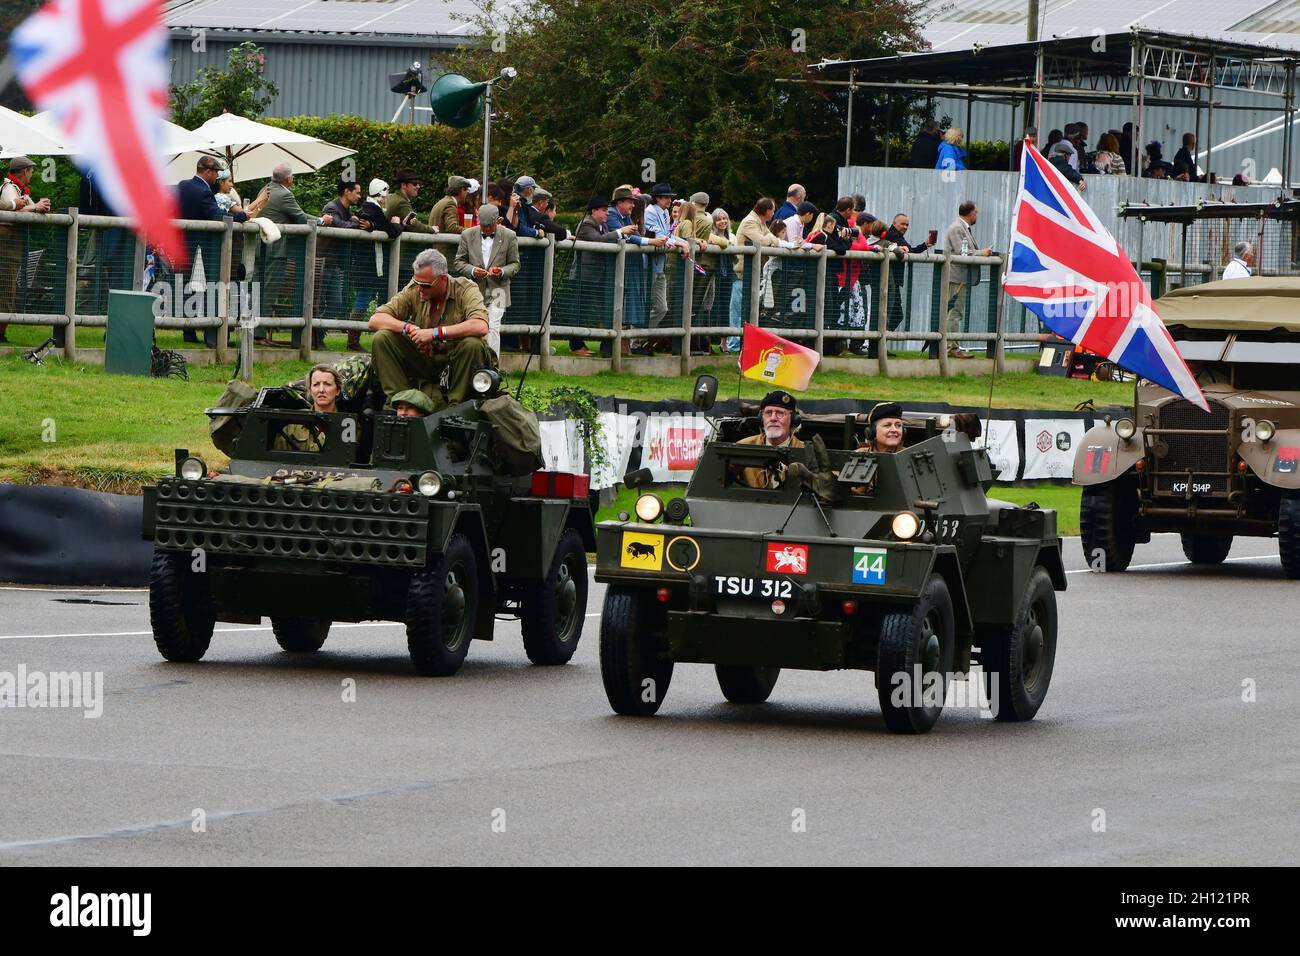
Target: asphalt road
1145, 722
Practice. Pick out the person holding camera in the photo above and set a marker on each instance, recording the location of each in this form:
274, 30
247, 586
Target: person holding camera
398, 204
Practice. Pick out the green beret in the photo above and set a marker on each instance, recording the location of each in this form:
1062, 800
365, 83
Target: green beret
415, 398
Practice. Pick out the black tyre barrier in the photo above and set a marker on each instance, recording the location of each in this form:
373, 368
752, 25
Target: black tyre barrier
71, 536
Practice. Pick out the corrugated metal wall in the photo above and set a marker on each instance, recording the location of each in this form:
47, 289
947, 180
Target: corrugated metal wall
992, 121
317, 79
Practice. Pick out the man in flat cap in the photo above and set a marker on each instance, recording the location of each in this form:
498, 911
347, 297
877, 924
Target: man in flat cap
489, 254
15, 196
406, 189
776, 414
447, 214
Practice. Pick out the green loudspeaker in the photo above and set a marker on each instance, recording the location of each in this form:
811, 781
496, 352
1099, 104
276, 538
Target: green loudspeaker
456, 101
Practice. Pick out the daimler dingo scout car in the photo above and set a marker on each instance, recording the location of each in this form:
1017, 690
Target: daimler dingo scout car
1171, 467
895, 563
426, 521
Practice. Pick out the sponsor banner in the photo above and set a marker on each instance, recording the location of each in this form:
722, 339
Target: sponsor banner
617, 436
672, 444
1050, 446
562, 446
1004, 448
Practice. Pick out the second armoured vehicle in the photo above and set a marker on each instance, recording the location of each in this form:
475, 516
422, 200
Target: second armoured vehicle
431, 521
1171, 467
893, 563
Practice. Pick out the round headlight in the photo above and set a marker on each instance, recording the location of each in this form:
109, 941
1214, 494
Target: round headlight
905, 525
484, 381
649, 508
430, 484
1265, 430
192, 469
1125, 428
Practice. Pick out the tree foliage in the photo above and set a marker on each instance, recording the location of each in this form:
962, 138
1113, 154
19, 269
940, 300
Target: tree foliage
241, 88
613, 91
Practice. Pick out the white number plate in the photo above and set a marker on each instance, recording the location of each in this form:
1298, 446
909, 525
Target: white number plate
728, 586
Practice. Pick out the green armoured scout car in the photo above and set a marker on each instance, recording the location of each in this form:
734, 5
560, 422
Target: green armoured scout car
1168, 466
440, 522
894, 563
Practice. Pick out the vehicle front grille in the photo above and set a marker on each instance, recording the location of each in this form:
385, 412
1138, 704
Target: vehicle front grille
1198, 454
280, 522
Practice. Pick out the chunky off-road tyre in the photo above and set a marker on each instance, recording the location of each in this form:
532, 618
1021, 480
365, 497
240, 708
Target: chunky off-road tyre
746, 685
553, 610
1017, 661
924, 635
1206, 548
300, 635
441, 608
1288, 533
635, 675
181, 612
1106, 514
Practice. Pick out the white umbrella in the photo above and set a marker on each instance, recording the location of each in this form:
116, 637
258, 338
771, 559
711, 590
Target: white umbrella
175, 139
251, 150
23, 136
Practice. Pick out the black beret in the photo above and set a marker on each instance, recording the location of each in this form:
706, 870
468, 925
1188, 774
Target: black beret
780, 399
885, 410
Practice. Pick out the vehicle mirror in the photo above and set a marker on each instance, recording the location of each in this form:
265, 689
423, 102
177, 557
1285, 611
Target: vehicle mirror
705, 393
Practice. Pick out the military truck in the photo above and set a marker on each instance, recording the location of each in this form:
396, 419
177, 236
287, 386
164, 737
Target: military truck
431, 521
892, 563
1168, 466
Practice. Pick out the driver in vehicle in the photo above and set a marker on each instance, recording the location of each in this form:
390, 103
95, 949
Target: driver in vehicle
324, 384
885, 428
777, 414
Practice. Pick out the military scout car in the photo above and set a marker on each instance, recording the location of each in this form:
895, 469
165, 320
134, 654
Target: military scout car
895, 563
1235, 471
433, 521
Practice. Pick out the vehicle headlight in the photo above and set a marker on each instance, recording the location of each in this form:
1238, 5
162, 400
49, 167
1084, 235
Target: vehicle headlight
676, 510
905, 525
1265, 430
192, 469
1125, 428
430, 484
649, 508
485, 381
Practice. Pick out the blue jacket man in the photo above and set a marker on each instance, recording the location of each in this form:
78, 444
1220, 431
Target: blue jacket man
197, 202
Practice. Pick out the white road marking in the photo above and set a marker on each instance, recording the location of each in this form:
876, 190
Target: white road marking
219, 630
1175, 564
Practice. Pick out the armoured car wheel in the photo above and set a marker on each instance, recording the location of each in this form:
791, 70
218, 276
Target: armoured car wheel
181, 612
1019, 658
555, 609
635, 677
746, 685
300, 635
916, 642
1106, 529
1206, 548
1288, 533
441, 608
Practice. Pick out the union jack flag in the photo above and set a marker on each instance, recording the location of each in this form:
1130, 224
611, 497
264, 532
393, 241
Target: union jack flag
101, 67
1069, 271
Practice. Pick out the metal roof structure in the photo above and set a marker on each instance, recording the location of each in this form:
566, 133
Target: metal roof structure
367, 21
961, 24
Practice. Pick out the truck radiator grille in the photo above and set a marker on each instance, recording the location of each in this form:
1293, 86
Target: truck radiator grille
1198, 454
279, 522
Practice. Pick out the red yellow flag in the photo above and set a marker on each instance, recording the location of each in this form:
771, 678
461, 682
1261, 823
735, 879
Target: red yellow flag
769, 358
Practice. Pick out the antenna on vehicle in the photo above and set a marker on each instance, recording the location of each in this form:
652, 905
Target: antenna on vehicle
541, 328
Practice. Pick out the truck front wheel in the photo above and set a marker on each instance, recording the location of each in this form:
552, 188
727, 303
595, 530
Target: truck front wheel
916, 647
555, 609
1106, 514
181, 611
635, 675
441, 608
300, 635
